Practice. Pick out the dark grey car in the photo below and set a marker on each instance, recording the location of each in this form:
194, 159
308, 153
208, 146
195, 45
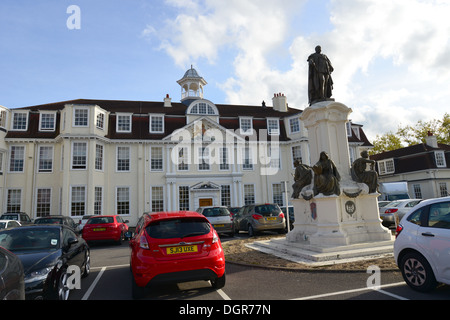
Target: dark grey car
12, 284
255, 218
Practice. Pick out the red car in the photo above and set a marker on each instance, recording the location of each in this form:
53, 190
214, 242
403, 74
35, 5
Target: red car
175, 247
101, 228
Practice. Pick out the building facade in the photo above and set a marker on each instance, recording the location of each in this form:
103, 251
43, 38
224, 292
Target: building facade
425, 167
83, 157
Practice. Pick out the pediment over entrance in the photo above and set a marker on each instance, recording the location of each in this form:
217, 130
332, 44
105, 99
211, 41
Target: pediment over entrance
205, 186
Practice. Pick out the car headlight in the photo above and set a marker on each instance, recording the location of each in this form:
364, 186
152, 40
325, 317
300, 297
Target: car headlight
37, 275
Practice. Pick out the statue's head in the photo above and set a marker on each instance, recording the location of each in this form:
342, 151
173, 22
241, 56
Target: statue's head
318, 49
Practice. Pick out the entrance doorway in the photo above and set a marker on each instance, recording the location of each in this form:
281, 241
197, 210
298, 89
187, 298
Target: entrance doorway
205, 202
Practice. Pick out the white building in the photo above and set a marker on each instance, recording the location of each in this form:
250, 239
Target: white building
84, 157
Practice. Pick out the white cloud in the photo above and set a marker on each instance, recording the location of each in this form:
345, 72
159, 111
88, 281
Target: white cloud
390, 57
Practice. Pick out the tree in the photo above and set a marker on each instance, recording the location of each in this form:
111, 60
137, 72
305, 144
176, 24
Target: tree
411, 135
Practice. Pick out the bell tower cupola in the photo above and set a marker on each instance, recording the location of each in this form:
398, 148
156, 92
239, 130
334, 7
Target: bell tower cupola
191, 86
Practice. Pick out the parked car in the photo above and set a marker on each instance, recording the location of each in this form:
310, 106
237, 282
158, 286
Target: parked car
67, 221
105, 228
233, 210
422, 246
383, 203
83, 221
46, 252
255, 218
393, 212
22, 217
291, 216
220, 218
12, 284
5, 224
175, 247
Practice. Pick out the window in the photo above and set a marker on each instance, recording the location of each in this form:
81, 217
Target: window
440, 159
386, 166
439, 215
156, 159
20, 121
98, 200
43, 202
79, 155
294, 125
249, 194
246, 125
80, 117
17, 159
417, 191
157, 199
3, 118
247, 163
277, 194
123, 122
78, 201
45, 159
100, 121
156, 123
183, 159
123, 200
348, 127
183, 197
13, 203
224, 163
443, 191
123, 159
47, 122
99, 157
273, 126
225, 195
203, 108
275, 156
203, 156
296, 154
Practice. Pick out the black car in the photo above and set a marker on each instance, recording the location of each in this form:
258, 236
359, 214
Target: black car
12, 285
67, 221
22, 217
48, 253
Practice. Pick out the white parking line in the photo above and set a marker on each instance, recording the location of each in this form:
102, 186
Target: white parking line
223, 294
357, 290
91, 288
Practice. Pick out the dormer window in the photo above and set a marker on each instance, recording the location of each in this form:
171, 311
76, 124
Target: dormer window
157, 123
20, 121
273, 126
123, 122
246, 125
440, 159
386, 166
203, 108
47, 121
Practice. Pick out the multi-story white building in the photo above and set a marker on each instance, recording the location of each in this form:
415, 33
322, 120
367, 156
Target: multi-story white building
84, 157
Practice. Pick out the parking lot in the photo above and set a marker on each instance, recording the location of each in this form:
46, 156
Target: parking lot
110, 279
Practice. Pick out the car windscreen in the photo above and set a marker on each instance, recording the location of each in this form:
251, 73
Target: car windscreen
9, 217
100, 220
36, 239
268, 209
178, 228
215, 212
48, 221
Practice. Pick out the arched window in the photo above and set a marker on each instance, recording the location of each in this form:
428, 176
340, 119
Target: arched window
202, 107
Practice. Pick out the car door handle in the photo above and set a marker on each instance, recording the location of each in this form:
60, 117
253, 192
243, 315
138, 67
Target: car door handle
427, 234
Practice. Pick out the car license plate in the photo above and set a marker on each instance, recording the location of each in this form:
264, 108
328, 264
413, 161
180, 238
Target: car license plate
271, 219
99, 229
182, 249
219, 225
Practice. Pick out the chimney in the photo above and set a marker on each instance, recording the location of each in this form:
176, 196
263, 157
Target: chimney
431, 140
279, 102
167, 101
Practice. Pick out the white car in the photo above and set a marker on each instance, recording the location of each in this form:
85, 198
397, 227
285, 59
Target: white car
5, 224
422, 247
219, 217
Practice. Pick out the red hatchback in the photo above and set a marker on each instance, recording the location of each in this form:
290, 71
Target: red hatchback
175, 247
101, 228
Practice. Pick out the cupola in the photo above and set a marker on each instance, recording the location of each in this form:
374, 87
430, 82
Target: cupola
191, 86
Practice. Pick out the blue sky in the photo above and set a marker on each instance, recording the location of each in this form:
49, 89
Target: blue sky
390, 56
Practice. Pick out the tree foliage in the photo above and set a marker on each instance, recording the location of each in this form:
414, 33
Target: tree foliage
411, 135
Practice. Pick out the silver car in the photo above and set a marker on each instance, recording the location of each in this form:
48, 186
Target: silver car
255, 218
219, 217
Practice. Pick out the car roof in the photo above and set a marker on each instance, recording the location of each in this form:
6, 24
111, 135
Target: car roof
40, 226
173, 214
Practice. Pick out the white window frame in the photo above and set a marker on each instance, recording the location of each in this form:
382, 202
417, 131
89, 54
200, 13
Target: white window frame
13, 124
127, 117
16, 159
74, 120
72, 167
153, 198
100, 120
383, 166
156, 116
153, 158
117, 159
224, 161
99, 163
72, 187
440, 159
204, 158
246, 194
52, 153
3, 118
8, 204
273, 126
41, 117
43, 214
98, 203
249, 131
128, 188
294, 125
